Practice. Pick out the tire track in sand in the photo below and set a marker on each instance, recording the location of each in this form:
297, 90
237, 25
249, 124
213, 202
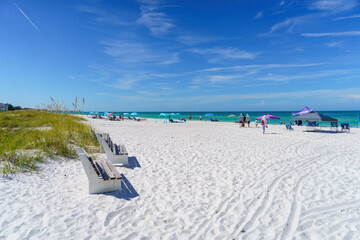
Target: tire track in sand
268, 197
293, 220
257, 203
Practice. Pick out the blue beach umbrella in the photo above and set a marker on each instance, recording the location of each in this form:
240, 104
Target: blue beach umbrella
209, 114
134, 114
125, 114
106, 113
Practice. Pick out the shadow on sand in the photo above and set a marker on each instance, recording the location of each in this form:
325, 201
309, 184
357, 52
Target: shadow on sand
325, 131
127, 190
133, 163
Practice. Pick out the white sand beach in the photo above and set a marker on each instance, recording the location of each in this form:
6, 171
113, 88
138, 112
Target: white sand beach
197, 180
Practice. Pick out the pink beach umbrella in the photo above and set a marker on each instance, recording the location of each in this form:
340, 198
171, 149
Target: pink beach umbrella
110, 114
268, 116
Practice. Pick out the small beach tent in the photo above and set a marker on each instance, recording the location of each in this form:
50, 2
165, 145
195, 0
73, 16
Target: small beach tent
314, 117
305, 110
166, 116
176, 115
268, 116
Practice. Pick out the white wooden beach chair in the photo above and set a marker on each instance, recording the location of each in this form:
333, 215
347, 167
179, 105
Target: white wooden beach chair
99, 140
115, 153
102, 175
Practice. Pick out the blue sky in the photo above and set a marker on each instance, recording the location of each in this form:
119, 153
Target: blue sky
182, 55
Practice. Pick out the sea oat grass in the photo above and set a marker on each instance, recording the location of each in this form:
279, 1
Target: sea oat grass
51, 133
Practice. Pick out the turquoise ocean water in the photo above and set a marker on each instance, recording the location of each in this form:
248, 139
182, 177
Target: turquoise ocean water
351, 117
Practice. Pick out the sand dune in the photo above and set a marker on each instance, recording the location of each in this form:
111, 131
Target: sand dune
199, 180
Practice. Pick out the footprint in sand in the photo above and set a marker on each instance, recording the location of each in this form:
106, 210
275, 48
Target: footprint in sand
110, 216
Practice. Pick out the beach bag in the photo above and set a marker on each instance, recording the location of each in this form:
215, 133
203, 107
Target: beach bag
262, 122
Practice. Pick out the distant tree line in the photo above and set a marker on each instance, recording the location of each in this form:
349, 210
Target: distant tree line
13, 108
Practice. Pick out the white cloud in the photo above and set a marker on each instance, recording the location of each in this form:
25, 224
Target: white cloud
165, 88
256, 78
165, 75
284, 78
319, 93
355, 96
129, 50
216, 54
102, 16
322, 94
218, 80
173, 58
259, 15
151, 17
348, 17
194, 39
260, 67
223, 78
134, 52
124, 83
333, 5
332, 34
334, 44
290, 23
147, 93
327, 7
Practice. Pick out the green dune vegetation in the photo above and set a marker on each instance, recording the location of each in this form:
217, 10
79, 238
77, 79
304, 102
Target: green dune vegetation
30, 136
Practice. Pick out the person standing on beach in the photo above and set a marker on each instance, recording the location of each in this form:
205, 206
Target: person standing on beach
200, 118
190, 117
248, 119
240, 120
256, 122
263, 123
